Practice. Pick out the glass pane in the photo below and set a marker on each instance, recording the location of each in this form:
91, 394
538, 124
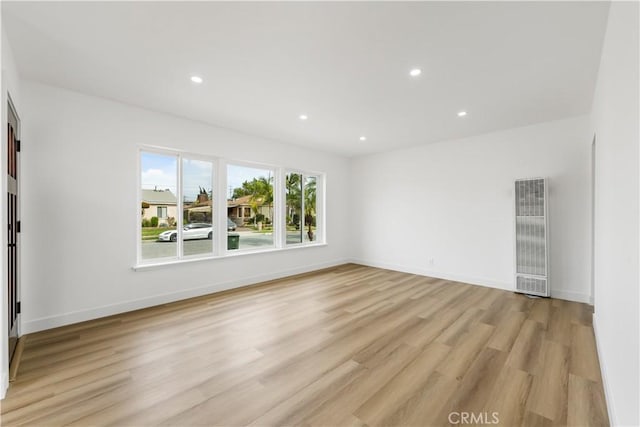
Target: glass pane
197, 207
293, 184
249, 207
159, 206
310, 209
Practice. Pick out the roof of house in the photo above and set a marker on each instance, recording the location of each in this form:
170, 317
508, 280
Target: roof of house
196, 204
158, 197
242, 201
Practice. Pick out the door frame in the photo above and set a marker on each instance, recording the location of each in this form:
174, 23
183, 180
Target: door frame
11, 109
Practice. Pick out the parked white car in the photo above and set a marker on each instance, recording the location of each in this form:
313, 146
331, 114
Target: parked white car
193, 231
196, 230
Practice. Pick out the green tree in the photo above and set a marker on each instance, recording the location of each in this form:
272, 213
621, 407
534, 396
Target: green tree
293, 184
240, 191
310, 205
264, 192
261, 191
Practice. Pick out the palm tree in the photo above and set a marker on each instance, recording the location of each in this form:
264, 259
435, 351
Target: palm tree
261, 193
294, 193
310, 204
266, 188
254, 202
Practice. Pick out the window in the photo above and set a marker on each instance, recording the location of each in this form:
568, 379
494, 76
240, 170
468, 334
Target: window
251, 193
158, 179
185, 213
301, 208
310, 206
295, 228
197, 207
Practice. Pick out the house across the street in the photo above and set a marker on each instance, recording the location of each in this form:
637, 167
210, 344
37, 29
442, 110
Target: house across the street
160, 203
239, 210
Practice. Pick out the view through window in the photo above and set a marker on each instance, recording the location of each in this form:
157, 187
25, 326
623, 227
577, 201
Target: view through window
158, 178
301, 199
180, 208
197, 207
250, 207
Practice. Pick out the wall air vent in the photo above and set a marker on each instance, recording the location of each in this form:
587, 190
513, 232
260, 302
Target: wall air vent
532, 225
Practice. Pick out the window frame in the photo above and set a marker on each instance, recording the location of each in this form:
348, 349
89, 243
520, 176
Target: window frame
180, 205
284, 207
274, 221
164, 152
220, 208
320, 212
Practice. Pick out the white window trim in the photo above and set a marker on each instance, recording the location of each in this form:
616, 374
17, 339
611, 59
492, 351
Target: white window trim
320, 178
214, 191
219, 191
172, 261
276, 181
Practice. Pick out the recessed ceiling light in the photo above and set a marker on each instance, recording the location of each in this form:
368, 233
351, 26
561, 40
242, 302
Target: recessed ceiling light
415, 72
303, 117
363, 138
462, 113
196, 79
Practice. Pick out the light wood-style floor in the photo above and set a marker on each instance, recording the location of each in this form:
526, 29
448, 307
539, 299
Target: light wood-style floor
347, 346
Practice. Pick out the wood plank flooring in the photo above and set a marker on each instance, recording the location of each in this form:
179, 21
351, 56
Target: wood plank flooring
347, 346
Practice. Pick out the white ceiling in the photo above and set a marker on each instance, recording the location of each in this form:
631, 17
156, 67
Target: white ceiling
346, 65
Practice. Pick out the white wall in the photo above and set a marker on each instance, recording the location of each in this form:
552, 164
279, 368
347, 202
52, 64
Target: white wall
453, 202
10, 86
615, 122
79, 157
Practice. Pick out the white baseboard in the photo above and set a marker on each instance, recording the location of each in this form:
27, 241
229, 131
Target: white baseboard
50, 322
438, 274
481, 281
4, 384
571, 296
603, 372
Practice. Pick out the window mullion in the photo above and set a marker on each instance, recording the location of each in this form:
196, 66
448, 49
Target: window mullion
221, 216
215, 207
320, 209
279, 222
139, 210
303, 216
179, 208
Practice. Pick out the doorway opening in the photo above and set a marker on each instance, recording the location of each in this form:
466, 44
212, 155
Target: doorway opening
13, 226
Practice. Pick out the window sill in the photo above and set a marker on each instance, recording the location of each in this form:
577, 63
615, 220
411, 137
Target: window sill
230, 254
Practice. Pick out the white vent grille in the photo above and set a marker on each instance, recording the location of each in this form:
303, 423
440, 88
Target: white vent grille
531, 236
531, 285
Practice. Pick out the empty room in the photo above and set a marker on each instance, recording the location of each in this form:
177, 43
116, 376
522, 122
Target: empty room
320, 213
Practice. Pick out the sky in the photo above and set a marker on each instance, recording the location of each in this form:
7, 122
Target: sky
159, 171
